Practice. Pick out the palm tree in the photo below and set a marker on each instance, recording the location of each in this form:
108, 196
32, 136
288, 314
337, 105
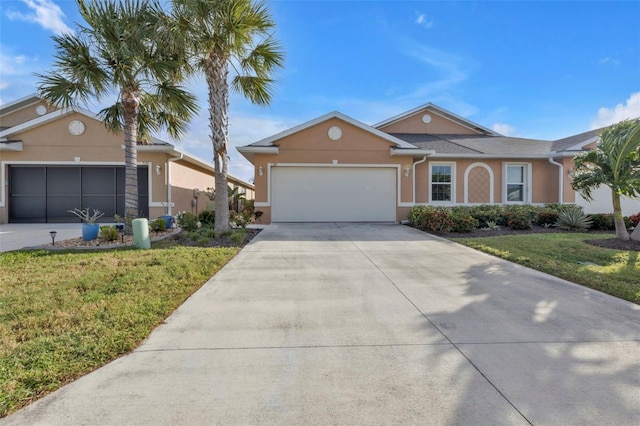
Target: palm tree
226, 34
125, 48
614, 162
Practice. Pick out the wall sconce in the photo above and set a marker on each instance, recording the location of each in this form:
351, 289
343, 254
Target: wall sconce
407, 170
158, 169
53, 237
260, 171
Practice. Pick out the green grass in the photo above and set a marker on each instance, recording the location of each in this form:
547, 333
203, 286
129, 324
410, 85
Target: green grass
567, 256
63, 314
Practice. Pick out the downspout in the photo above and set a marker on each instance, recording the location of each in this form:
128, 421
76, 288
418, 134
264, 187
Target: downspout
560, 179
169, 161
413, 176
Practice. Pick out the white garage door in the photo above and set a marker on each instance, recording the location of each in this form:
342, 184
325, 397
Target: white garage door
333, 194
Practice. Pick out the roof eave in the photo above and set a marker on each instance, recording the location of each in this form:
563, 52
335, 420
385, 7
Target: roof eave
492, 156
411, 152
249, 151
11, 146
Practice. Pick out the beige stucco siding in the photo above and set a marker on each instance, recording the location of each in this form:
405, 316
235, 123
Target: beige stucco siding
23, 115
438, 125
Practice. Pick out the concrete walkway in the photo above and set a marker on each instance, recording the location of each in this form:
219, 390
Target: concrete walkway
14, 236
370, 324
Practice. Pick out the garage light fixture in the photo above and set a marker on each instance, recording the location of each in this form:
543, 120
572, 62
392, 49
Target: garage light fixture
407, 170
260, 171
158, 169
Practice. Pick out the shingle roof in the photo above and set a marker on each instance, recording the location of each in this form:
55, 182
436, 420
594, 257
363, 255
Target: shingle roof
472, 144
568, 142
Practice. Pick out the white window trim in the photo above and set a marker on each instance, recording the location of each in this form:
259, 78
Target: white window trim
466, 181
527, 182
453, 182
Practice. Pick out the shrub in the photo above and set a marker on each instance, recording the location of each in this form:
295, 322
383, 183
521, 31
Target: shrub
520, 217
158, 225
434, 219
603, 222
519, 221
557, 207
109, 233
547, 217
487, 213
462, 221
573, 220
187, 221
634, 219
207, 217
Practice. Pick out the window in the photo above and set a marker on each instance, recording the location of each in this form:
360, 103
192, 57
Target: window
441, 177
516, 183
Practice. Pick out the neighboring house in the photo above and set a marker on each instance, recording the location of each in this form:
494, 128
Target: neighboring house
335, 168
53, 160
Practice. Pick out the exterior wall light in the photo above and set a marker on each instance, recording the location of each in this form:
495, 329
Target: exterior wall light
158, 169
260, 171
407, 170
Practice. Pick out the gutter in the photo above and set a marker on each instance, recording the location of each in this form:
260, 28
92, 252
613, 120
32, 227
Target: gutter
413, 175
169, 202
560, 179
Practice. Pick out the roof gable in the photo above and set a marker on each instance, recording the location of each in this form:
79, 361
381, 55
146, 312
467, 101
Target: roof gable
267, 142
430, 118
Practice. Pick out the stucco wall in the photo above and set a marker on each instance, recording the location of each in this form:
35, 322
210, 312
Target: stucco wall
438, 125
24, 114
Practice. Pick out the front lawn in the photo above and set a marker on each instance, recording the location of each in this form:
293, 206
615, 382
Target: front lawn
566, 255
63, 314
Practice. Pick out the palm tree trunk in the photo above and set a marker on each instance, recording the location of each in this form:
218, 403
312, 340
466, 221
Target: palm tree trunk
621, 229
130, 101
216, 73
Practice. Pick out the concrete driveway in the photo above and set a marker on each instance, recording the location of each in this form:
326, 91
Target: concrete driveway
14, 236
370, 324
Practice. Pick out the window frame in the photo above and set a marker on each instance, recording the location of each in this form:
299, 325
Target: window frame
526, 182
452, 184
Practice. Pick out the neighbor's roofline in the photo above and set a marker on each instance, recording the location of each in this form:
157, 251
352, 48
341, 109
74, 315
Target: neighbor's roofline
9, 105
439, 111
334, 114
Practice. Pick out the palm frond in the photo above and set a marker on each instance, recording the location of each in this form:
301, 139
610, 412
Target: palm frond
257, 89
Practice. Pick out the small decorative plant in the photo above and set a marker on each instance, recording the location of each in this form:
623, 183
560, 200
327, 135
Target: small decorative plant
492, 225
109, 233
158, 225
84, 215
574, 220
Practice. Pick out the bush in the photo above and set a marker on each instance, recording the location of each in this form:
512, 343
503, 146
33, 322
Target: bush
547, 217
109, 233
487, 213
603, 222
634, 219
434, 219
520, 217
574, 220
207, 217
557, 207
187, 221
462, 221
158, 225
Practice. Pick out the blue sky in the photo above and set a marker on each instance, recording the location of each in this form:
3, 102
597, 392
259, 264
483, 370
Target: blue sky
531, 69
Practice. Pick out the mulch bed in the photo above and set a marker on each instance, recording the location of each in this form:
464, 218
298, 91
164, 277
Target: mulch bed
610, 243
219, 241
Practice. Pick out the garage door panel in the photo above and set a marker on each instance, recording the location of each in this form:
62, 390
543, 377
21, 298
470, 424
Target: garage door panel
333, 194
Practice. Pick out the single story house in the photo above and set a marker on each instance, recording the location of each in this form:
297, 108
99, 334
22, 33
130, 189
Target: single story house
336, 168
53, 160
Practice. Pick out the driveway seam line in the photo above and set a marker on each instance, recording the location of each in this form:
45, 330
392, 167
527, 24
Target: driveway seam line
441, 332
390, 345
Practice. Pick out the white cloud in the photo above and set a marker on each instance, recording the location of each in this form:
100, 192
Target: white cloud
43, 12
608, 60
504, 129
608, 116
422, 20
